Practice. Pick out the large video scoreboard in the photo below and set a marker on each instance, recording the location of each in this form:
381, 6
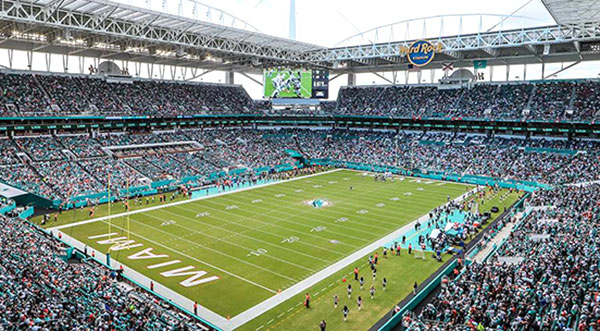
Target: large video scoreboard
296, 83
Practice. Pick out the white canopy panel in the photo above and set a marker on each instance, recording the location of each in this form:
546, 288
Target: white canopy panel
573, 11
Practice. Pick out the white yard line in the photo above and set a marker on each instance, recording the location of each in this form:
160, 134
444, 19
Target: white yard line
290, 292
187, 201
241, 234
267, 224
164, 291
228, 242
374, 212
260, 308
216, 251
189, 257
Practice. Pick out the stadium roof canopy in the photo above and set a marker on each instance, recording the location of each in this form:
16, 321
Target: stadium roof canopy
113, 31
574, 11
105, 29
535, 45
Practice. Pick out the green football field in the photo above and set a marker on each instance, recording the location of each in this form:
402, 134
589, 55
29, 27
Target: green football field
252, 244
288, 92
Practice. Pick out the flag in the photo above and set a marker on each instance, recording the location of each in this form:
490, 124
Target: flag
480, 64
447, 66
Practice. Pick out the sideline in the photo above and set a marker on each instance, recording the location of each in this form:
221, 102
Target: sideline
297, 288
104, 218
164, 291
273, 301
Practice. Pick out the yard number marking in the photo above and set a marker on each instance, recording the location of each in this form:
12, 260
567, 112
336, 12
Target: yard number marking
257, 252
290, 240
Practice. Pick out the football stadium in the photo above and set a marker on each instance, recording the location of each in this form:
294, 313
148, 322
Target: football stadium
299, 165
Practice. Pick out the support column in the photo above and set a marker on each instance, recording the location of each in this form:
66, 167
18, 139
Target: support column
507, 72
10, 57
29, 60
150, 68
161, 71
351, 79
48, 58
81, 60
525, 72
543, 70
229, 77
173, 70
65, 60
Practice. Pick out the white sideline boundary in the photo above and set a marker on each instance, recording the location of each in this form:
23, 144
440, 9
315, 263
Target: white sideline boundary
104, 218
299, 287
272, 301
160, 289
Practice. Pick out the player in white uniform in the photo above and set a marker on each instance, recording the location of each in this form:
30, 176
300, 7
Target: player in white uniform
278, 85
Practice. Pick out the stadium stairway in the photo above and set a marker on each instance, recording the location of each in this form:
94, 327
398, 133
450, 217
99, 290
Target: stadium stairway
458, 100
299, 146
137, 170
531, 97
41, 88
89, 173
563, 165
55, 190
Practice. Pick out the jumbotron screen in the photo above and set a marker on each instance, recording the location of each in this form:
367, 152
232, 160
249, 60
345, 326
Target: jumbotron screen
295, 83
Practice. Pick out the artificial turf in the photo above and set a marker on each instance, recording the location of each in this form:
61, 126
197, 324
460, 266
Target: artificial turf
267, 239
401, 273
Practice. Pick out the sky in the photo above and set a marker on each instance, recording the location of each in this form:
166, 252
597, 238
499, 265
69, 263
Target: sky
328, 22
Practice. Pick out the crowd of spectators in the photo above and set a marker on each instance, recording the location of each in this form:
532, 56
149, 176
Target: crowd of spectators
8, 152
587, 100
147, 168
147, 150
42, 291
42, 148
121, 175
64, 92
21, 94
551, 100
67, 178
76, 164
24, 177
543, 277
40, 94
81, 145
548, 101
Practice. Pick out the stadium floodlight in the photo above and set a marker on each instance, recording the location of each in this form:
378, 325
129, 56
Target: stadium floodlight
180, 52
